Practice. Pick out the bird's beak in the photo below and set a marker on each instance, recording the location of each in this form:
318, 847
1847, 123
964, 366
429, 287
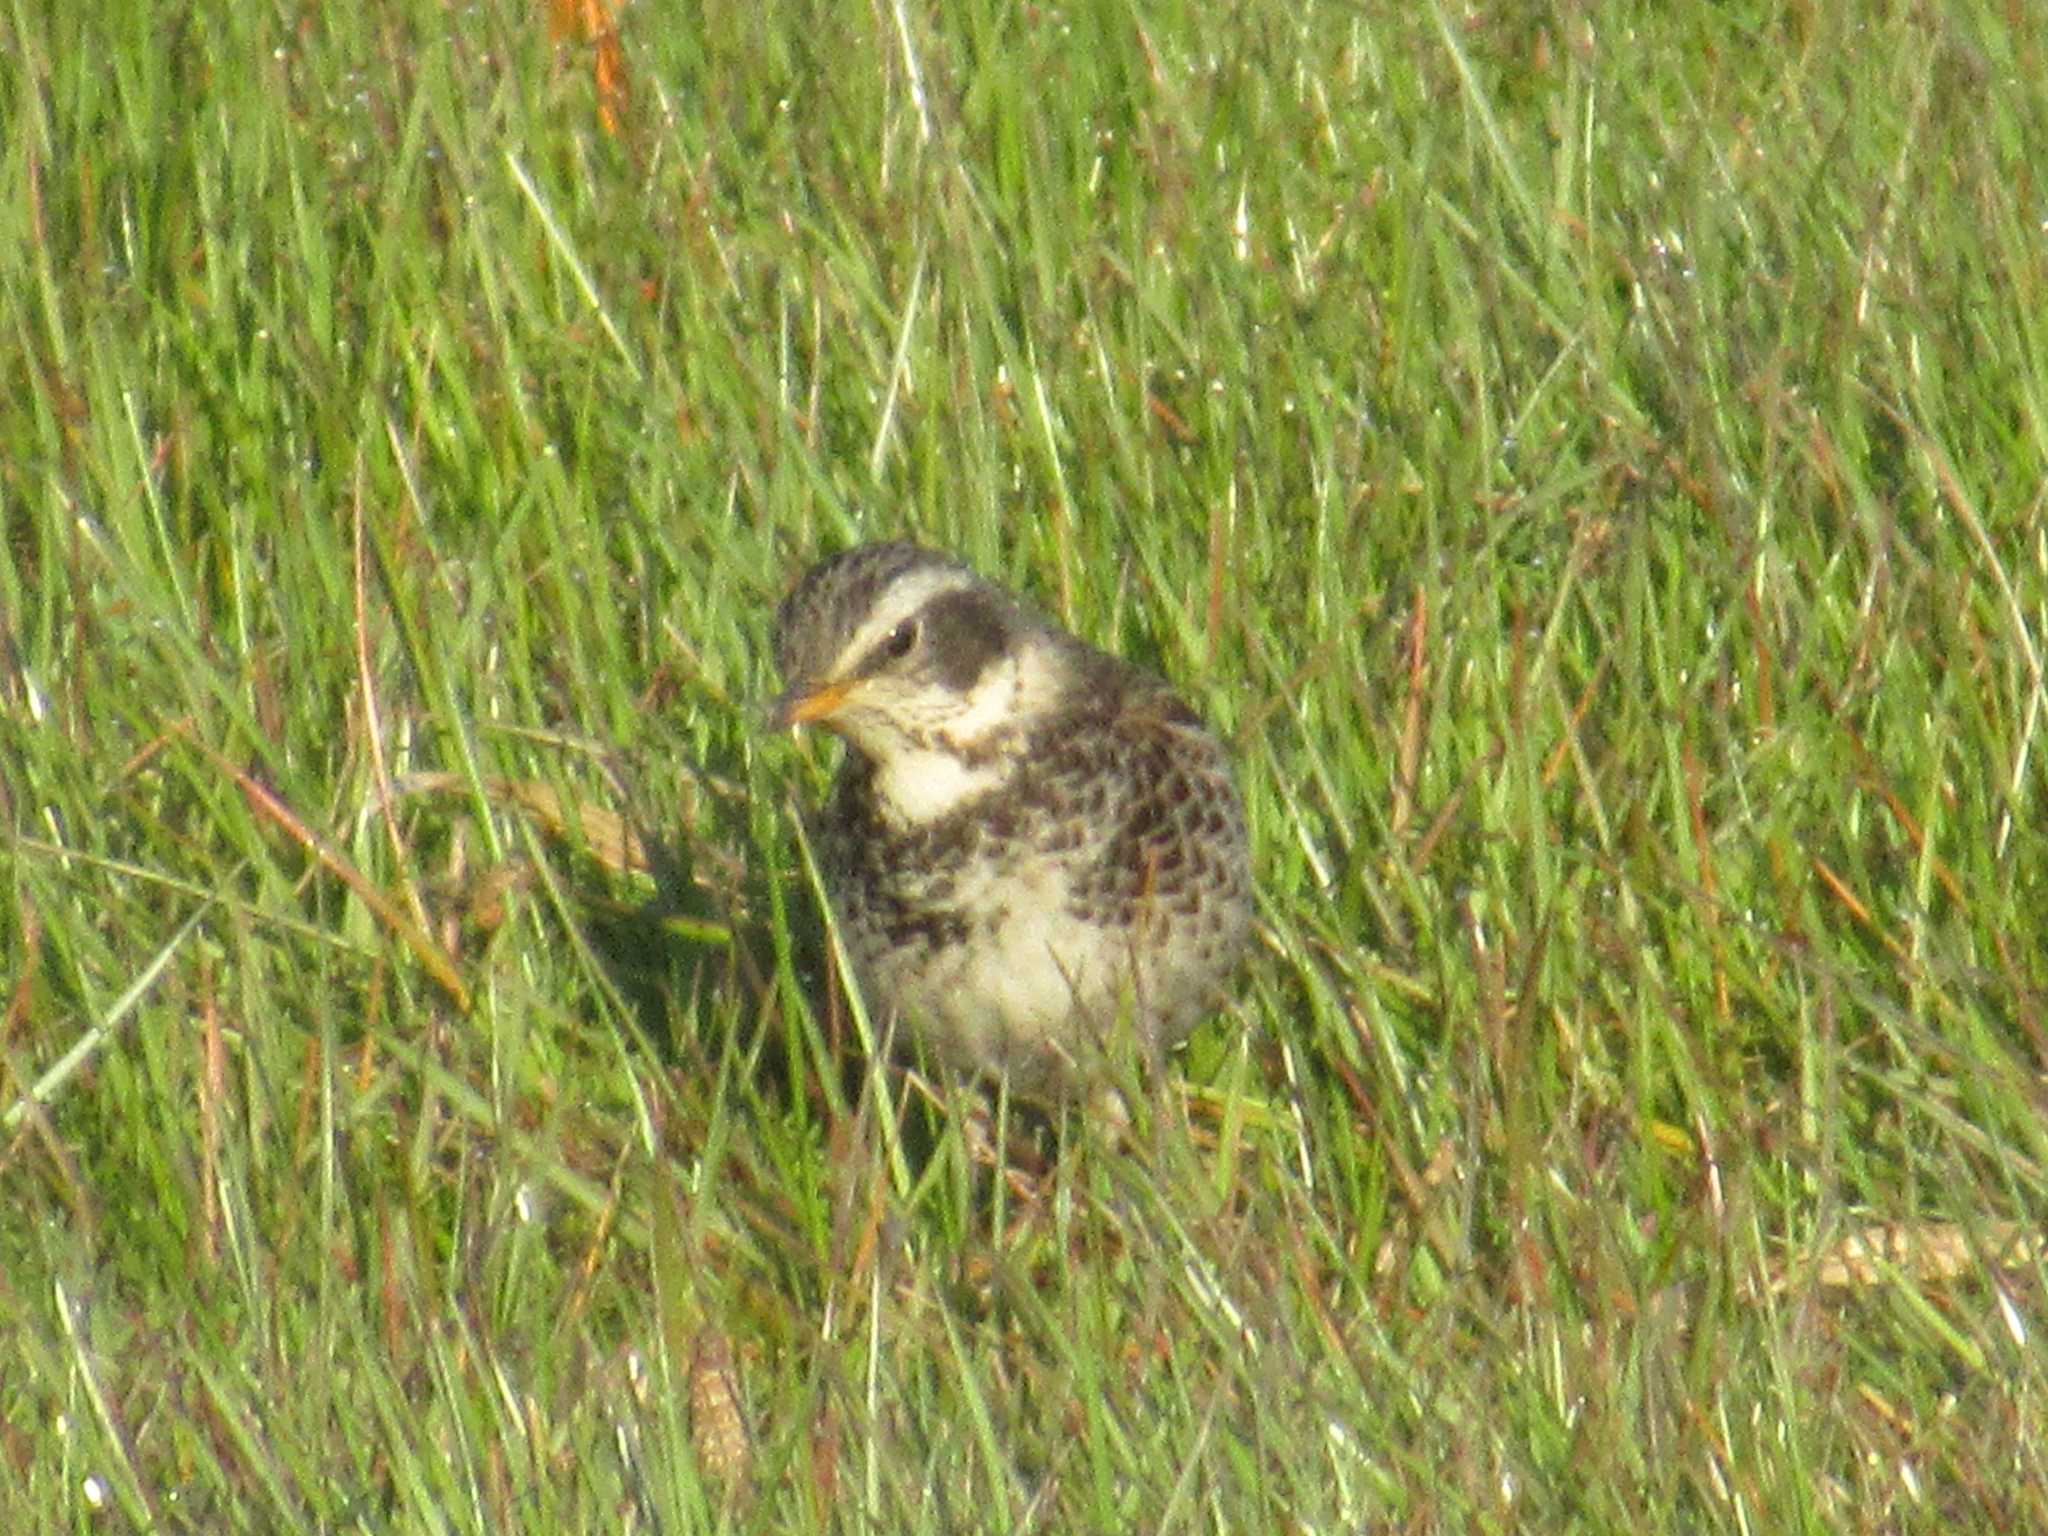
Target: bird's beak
805, 703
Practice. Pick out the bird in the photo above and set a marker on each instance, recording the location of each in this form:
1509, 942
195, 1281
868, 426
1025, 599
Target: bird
1035, 851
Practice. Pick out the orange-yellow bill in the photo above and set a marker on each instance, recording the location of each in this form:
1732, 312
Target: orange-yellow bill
818, 704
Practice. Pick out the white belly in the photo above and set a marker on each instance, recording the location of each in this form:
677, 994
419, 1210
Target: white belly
1031, 983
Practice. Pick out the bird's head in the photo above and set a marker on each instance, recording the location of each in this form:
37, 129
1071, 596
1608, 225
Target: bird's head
924, 668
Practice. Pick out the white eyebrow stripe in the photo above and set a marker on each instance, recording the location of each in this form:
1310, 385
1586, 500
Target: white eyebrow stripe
900, 600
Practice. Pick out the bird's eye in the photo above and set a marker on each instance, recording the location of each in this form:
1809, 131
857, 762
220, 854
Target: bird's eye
901, 642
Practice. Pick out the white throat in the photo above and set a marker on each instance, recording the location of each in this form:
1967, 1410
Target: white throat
915, 785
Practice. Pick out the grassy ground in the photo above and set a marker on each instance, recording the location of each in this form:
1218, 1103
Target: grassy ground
1590, 460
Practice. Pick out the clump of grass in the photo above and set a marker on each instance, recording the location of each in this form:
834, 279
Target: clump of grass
1589, 463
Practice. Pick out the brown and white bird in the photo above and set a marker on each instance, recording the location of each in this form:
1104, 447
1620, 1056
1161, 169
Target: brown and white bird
1035, 850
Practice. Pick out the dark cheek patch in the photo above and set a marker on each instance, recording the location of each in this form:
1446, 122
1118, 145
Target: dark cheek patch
965, 632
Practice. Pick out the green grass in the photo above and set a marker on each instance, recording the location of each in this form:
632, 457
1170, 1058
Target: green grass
1590, 459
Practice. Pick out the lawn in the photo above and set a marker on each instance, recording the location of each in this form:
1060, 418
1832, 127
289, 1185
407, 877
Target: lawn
1590, 461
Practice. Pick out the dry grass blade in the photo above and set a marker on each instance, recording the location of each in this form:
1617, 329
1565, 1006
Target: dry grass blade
603, 833
1919, 1251
432, 956
595, 22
